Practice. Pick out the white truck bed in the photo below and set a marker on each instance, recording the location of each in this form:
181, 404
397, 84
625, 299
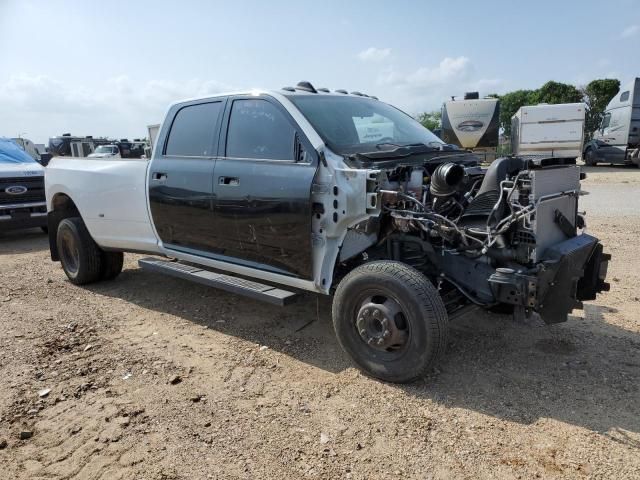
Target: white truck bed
549, 130
111, 195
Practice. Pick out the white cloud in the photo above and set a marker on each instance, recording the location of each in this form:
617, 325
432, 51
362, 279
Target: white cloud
373, 54
43, 106
447, 70
630, 31
426, 88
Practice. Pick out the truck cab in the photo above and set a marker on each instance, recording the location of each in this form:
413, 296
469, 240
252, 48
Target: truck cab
271, 193
617, 141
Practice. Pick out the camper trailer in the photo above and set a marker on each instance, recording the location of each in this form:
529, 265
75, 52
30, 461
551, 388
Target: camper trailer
548, 130
618, 138
472, 123
29, 147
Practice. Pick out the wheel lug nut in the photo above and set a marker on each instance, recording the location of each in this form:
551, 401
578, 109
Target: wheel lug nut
376, 313
386, 334
362, 332
380, 341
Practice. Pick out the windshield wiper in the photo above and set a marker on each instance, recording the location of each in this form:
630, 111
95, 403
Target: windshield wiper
400, 151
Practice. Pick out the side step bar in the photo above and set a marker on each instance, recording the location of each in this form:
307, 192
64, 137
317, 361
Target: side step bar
228, 283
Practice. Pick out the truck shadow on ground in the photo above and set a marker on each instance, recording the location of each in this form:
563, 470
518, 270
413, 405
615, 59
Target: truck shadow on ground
23, 241
582, 372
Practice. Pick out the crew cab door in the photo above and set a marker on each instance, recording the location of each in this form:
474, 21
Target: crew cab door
262, 187
180, 176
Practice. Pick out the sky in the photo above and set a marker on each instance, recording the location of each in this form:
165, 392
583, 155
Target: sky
110, 67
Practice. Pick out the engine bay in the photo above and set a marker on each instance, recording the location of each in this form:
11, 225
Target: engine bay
499, 235
495, 212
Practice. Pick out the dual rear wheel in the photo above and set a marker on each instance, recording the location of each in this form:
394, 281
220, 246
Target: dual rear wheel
83, 261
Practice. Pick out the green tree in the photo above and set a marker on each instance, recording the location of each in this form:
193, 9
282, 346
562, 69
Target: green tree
556, 92
509, 105
431, 120
597, 94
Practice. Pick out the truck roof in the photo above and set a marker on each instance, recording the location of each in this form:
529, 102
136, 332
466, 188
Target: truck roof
284, 92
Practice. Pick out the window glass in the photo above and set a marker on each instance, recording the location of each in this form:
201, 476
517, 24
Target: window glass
257, 129
351, 124
624, 96
606, 120
193, 130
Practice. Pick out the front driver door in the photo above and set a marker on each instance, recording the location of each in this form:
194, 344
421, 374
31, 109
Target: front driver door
262, 188
180, 193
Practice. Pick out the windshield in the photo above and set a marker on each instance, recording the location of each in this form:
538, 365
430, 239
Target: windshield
106, 149
351, 124
12, 153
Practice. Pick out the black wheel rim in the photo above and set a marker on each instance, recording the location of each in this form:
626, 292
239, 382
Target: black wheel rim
70, 253
380, 323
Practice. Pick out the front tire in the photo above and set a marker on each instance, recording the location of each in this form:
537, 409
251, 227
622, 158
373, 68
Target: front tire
390, 320
80, 256
590, 157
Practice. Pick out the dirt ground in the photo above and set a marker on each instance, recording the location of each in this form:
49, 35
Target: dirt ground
149, 377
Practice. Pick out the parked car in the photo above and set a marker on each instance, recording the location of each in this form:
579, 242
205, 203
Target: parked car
105, 151
22, 199
618, 138
285, 188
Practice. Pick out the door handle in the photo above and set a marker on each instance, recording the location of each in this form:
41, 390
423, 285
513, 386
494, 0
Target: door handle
159, 176
231, 181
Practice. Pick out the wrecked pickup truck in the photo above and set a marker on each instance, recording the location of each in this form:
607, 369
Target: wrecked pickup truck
268, 194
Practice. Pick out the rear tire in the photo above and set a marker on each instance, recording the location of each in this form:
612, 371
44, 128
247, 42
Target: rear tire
80, 256
390, 320
590, 157
111, 265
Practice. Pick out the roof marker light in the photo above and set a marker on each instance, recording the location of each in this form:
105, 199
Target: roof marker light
306, 86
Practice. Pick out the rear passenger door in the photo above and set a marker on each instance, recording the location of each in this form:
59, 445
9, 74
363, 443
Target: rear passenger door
180, 176
262, 187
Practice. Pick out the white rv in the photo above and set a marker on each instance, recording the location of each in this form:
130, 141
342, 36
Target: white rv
472, 123
548, 130
618, 139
